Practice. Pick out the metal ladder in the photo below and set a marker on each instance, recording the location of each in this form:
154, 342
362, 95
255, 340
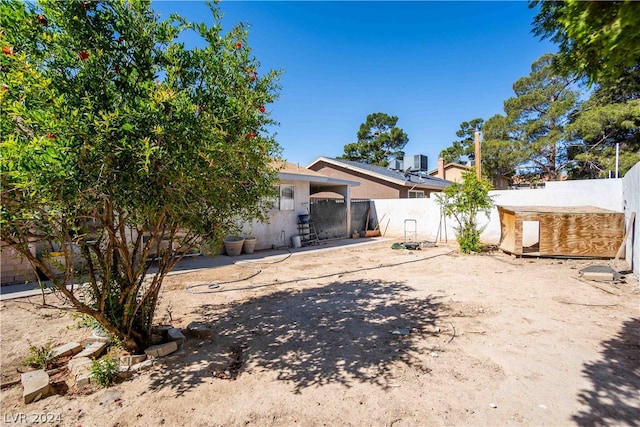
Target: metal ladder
313, 235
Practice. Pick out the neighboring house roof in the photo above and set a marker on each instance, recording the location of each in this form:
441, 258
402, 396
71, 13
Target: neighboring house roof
410, 180
451, 166
293, 172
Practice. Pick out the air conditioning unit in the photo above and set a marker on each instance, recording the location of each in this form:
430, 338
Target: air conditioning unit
397, 164
418, 162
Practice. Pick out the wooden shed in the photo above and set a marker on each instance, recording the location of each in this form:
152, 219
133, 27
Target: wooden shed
574, 231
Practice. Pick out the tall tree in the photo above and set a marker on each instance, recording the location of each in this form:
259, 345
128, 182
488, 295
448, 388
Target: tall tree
598, 39
609, 119
463, 149
119, 143
500, 153
538, 116
379, 140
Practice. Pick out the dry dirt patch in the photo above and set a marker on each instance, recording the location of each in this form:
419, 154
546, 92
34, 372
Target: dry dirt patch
367, 335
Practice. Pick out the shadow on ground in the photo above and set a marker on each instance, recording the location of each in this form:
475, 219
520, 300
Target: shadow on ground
338, 333
613, 398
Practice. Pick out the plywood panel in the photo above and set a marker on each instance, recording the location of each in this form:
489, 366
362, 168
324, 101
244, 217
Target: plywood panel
574, 231
581, 235
507, 230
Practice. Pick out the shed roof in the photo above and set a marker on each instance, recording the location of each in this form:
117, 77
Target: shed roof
295, 172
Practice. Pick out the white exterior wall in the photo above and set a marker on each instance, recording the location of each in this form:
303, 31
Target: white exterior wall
631, 196
603, 193
282, 225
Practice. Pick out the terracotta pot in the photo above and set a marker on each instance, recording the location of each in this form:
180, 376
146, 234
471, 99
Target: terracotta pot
233, 245
249, 245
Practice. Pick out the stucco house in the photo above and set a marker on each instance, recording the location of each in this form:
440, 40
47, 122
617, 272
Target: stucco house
453, 172
377, 182
295, 187
297, 184
449, 171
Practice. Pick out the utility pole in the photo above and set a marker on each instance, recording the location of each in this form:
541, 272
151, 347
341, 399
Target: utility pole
478, 155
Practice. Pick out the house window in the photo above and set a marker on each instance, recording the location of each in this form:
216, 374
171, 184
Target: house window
286, 198
413, 194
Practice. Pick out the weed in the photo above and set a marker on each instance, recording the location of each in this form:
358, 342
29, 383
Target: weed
105, 370
38, 356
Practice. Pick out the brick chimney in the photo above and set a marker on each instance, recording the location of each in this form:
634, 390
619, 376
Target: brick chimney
441, 168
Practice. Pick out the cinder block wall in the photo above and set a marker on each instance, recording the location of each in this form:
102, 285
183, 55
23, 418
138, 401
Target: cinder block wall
14, 268
631, 196
620, 195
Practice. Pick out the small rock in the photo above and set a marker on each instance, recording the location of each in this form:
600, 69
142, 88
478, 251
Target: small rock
161, 349
65, 350
162, 330
199, 330
100, 335
127, 359
175, 334
83, 380
493, 405
436, 330
434, 354
79, 365
142, 366
541, 406
156, 339
35, 386
93, 350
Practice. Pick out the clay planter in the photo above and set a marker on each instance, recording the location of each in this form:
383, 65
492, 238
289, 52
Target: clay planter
249, 245
233, 245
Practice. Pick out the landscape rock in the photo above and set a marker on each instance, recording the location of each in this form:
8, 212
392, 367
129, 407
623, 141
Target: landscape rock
147, 364
80, 365
100, 335
161, 349
65, 350
199, 330
94, 349
175, 334
132, 359
162, 330
83, 380
35, 386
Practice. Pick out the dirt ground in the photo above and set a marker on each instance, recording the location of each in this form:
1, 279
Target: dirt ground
366, 335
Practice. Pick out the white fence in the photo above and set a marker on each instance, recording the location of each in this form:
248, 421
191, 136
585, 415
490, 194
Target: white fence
619, 195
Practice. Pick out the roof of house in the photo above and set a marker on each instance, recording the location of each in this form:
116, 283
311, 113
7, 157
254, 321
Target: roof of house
390, 175
449, 166
294, 172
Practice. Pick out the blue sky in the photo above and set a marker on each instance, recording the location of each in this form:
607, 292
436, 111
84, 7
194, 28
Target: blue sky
432, 64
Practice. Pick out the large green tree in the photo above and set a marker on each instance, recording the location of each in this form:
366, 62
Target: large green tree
120, 144
536, 118
609, 119
379, 140
501, 154
464, 148
598, 39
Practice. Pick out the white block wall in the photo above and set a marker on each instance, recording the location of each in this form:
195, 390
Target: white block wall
620, 195
631, 201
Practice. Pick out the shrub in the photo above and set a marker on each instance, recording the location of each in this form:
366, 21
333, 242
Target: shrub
105, 370
464, 201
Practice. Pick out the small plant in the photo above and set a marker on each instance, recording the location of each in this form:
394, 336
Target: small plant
38, 356
84, 321
464, 201
105, 370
